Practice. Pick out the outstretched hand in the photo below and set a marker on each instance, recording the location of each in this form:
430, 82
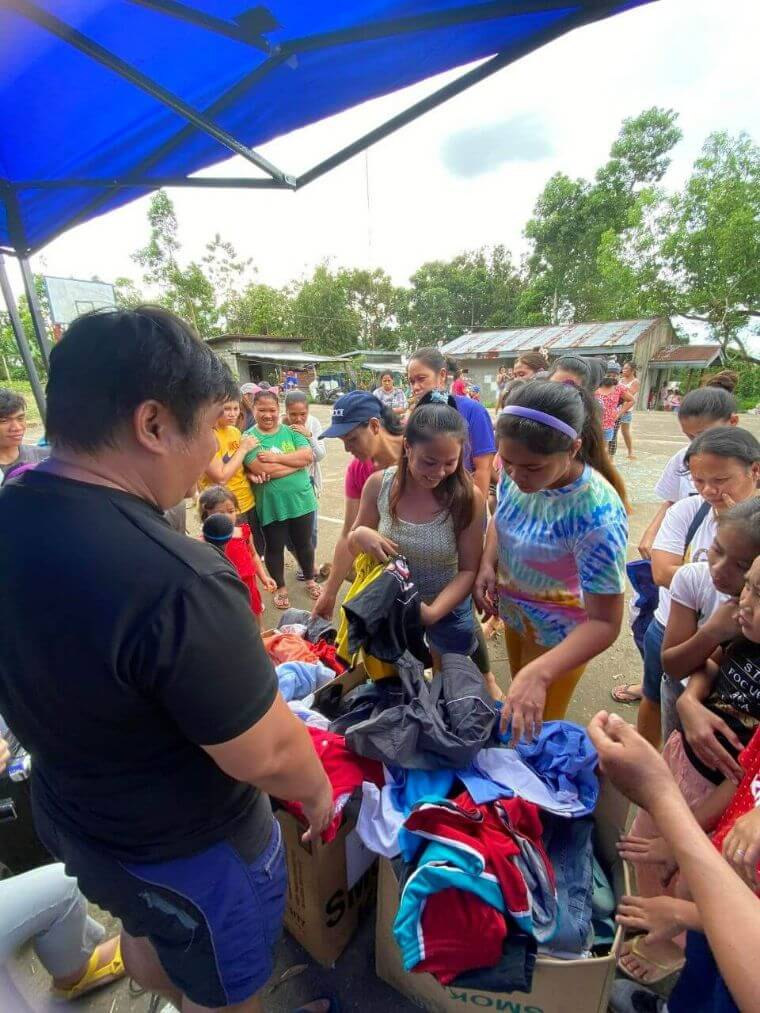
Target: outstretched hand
631, 763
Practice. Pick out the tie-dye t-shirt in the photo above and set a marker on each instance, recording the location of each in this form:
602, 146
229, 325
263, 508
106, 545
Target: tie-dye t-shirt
554, 545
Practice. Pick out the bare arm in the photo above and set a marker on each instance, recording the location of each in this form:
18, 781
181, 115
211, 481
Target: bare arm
665, 566
625, 404
364, 536
686, 648
481, 474
647, 539
260, 469
341, 564
484, 591
296, 459
277, 756
728, 908
470, 549
220, 472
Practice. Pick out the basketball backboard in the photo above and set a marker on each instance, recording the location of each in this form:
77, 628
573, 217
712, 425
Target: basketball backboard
69, 298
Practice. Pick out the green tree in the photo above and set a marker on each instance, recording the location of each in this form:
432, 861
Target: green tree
323, 314
260, 309
712, 248
374, 298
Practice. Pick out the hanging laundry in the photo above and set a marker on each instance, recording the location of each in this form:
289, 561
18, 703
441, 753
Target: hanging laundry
346, 773
426, 725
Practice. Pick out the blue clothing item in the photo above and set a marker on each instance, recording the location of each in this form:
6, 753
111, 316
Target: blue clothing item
408, 787
442, 868
383, 810
570, 849
298, 679
608, 434
652, 682
480, 435
700, 987
455, 633
646, 597
602, 907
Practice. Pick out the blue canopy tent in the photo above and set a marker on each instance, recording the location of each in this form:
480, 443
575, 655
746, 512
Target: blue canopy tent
105, 100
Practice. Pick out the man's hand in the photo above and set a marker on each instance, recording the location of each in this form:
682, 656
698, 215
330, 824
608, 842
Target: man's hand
5, 755
630, 762
324, 606
701, 728
484, 591
319, 813
741, 848
524, 703
649, 851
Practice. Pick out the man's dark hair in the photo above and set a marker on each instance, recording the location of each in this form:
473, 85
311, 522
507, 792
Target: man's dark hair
109, 362
10, 403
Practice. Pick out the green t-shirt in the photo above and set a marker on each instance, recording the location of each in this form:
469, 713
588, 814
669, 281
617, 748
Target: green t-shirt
281, 499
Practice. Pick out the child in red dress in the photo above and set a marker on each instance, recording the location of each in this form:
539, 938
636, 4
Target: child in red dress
239, 549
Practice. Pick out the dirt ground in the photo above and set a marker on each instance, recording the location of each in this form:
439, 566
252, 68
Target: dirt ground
657, 436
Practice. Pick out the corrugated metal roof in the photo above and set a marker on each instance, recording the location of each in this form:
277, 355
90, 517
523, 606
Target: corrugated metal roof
614, 334
306, 357
686, 355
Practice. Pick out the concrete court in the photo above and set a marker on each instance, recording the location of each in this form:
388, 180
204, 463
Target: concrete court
656, 437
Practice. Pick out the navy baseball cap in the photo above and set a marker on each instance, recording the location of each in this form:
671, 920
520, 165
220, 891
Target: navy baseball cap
352, 410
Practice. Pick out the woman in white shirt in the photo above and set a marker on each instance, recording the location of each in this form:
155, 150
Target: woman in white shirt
725, 468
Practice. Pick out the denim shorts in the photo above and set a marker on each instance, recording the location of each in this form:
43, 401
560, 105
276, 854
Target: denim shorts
214, 917
608, 434
628, 418
652, 682
455, 633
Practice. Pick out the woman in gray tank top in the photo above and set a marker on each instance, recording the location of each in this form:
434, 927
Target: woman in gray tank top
428, 510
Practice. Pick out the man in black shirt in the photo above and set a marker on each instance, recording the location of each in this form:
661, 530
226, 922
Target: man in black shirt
132, 670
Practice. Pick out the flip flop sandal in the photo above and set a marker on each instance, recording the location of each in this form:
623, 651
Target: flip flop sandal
665, 970
623, 694
313, 589
281, 600
94, 976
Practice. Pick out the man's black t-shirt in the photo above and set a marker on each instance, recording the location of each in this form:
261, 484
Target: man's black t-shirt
124, 646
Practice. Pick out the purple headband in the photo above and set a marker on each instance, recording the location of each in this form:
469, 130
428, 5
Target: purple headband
542, 417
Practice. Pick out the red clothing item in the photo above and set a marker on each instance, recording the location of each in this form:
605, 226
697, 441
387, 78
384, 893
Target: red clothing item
610, 402
747, 795
459, 387
357, 474
238, 551
346, 772
327, 655
288, 647
468, 933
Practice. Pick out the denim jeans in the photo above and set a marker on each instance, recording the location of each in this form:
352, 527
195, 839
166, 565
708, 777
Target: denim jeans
569, 845
653, 638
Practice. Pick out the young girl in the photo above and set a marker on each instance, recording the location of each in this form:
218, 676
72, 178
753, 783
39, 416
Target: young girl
300, 420
615, 402
558, 539
575, 370
629, 380
285, 502
720, 712
725, 467
711, 405
239, 550
428, 510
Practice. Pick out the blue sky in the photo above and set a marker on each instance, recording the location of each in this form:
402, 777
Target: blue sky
467, 174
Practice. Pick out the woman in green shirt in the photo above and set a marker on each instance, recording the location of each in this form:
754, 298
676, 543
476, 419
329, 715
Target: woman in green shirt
285, 501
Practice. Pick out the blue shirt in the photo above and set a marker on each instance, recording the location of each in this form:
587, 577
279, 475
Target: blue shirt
480, 439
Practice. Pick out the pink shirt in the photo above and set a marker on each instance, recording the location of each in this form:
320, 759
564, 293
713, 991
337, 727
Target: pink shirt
357, 474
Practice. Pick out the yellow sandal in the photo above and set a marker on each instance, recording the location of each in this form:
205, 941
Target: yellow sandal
94, 977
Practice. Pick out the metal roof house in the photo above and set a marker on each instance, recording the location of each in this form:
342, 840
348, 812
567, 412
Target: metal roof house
254, 357
483, 351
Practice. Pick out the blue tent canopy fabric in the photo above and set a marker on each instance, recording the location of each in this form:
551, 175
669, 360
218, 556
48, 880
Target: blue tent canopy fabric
103, 100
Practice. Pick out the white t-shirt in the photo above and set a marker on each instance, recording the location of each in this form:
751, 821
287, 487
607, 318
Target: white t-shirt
672, 538
693, 588
675, 482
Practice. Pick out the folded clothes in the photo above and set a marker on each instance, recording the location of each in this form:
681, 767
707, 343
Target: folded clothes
556, 771
287, 647
513, 972
383, 810
299, 679
345, 771
416, 724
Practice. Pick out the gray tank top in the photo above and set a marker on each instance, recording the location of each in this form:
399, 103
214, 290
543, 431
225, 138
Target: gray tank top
430, 548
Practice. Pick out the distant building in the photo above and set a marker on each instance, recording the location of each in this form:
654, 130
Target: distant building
483, 351
256, 357
381, 360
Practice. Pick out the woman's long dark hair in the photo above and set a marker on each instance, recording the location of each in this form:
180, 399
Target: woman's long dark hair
714, 400
587, 373
533, 360
456, 493
574, 406
434, 359
726, 441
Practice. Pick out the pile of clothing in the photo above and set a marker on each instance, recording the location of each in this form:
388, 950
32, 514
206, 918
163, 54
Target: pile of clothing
493, 847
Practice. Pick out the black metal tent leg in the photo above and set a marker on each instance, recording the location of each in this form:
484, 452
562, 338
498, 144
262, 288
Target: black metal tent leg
38, 321
20, 335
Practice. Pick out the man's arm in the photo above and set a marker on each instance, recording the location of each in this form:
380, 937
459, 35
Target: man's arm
729, 909
277, 756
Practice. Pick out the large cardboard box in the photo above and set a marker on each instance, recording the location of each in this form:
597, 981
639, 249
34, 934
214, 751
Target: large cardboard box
559, 986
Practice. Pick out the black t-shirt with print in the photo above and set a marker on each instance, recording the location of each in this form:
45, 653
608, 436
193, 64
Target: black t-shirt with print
735, 697
125, 646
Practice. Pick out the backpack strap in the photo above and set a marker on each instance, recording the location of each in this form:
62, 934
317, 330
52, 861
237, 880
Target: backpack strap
695, 525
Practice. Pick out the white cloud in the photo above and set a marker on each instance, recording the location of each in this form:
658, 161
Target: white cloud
400, 205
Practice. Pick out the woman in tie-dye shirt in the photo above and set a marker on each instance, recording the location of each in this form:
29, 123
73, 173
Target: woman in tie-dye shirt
554, 563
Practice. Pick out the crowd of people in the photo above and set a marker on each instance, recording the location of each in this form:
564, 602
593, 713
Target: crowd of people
136, 679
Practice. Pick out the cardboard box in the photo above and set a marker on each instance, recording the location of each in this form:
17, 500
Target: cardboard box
559, 986
330, 888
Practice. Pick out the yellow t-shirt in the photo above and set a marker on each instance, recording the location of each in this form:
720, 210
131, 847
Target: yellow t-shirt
228, 439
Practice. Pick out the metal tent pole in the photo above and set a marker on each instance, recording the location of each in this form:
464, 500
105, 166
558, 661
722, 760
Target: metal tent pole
35, 312
20, 335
